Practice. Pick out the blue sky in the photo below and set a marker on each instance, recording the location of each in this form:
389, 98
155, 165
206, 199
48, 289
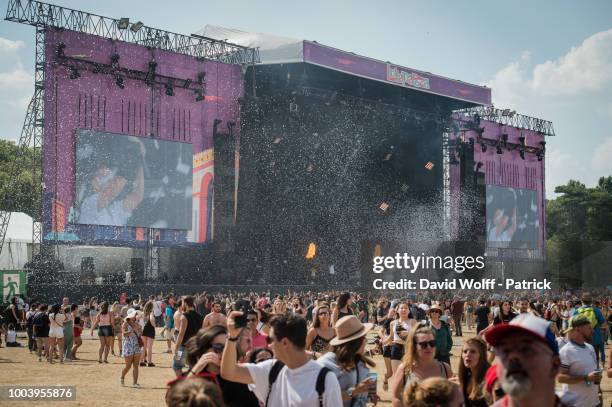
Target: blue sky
549, 59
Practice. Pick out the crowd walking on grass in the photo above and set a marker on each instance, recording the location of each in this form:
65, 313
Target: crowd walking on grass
321, 348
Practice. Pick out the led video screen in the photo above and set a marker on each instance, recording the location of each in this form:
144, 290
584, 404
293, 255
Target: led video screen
124, 180
513, 217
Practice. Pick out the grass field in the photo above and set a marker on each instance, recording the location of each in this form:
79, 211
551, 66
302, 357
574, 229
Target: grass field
98, 384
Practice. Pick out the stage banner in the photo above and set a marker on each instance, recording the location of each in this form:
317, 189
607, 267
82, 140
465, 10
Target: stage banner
13, 282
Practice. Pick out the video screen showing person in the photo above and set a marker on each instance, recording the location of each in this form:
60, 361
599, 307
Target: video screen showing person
512, 217
132, 181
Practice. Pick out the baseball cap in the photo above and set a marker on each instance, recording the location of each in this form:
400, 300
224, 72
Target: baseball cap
537, 327
576, 321
491, 378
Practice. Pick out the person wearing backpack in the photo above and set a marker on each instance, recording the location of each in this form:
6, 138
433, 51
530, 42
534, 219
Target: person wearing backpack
598, 322
348, 362
291, 379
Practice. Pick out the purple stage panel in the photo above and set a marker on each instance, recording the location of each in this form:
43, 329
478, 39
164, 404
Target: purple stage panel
393, 74
507, 170
93, 101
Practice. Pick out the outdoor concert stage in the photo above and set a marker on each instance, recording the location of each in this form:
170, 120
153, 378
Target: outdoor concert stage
269, 159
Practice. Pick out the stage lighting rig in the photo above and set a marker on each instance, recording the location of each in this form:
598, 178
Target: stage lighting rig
150, 77
123, 23
187, 83
136, 26
115, 60
499, 149
483, 147
74, 73
522, 153
199, 95
504, 138
119, 81
59, 50
201, 77
543, 144
522, 141
169, 89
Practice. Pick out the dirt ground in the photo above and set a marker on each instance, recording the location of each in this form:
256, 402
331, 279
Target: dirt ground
98, 384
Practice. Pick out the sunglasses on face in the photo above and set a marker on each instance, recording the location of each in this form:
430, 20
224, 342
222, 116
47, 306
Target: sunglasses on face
218, 347
425, 344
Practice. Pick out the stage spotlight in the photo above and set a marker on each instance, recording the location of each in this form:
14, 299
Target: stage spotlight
540, 155
199, 95
499, 149
152, 65
522, 141
543, 144
201, 77
123, 23
119, 81
115, 60
522, 153
483, 147
187, 83
136, 26
169, 90
74, 73
59, 51
504, 138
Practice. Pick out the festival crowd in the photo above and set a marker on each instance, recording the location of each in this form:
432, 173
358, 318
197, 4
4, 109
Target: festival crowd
319, 349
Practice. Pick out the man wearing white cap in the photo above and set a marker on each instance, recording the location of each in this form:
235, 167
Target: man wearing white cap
527, 362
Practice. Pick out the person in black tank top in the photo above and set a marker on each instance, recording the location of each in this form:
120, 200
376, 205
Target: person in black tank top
189, 324
342, 307
194, 323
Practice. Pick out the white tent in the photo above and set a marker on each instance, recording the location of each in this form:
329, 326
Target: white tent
272, 48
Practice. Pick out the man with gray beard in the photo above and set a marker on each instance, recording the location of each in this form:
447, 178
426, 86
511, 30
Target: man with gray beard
527, 362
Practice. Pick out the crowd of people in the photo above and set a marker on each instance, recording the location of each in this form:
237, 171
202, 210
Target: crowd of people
320, 349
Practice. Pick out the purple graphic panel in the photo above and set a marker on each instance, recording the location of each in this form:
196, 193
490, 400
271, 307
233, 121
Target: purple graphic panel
508, 171
93, 100
394, 74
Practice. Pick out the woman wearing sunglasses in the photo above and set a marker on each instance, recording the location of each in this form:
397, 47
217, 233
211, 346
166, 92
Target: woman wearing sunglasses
321, 331
204, 353
419, 362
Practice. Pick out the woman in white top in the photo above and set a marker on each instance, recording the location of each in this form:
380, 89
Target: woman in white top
56, 332
400, 329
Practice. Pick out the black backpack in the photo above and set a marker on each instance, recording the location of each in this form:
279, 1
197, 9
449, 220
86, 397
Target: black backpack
278, 366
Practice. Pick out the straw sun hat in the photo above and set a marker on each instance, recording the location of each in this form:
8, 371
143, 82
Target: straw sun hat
349, 328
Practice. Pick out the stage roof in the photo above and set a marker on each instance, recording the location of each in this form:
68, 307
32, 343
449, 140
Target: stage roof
282, 50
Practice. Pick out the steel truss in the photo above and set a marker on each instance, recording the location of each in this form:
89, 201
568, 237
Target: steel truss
42, 14
508, 117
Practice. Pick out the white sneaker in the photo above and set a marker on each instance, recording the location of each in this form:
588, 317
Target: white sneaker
136, 386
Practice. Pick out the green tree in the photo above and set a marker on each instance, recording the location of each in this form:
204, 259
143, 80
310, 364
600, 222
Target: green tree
24, 194
581, 213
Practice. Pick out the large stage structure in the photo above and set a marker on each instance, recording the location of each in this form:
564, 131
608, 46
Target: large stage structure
234, 157
101, 74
